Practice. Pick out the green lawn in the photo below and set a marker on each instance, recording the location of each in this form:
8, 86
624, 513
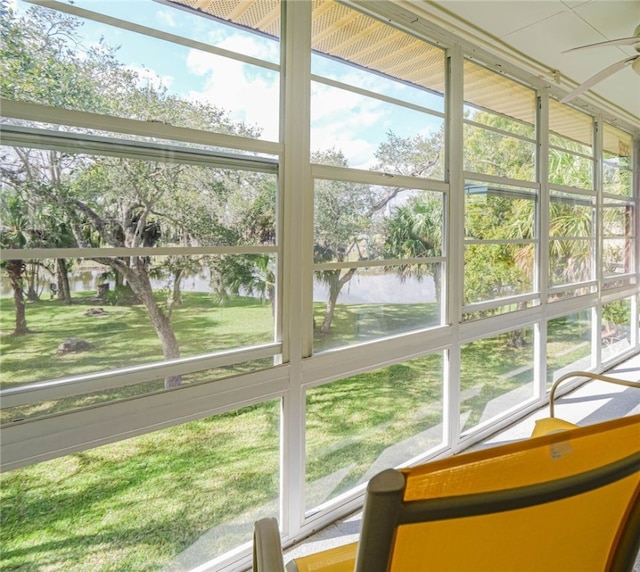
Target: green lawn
124, 336
136, 504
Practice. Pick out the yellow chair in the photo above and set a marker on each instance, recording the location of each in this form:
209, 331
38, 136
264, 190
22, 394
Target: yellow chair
562, 502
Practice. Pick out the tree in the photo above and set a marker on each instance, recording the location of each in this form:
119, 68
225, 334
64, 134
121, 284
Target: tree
343, 227
350, 218
15, 234
414, 228
255, 222
415, 231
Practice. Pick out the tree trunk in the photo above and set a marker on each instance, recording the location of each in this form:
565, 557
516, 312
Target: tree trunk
32, 291
118, 279
336, 283
437, 282
176, 294
328, 313
137, 277
15, 269
62, 274
517, 338
271, 292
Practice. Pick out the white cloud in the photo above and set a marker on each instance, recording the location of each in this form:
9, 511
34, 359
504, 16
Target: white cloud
348, 122
358, 151
167, 17
246, 92
257, 47
149, 77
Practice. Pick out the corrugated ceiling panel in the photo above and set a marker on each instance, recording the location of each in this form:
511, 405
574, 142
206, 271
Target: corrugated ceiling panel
493, 91
260, 15
617, 142
570, 123
344, 33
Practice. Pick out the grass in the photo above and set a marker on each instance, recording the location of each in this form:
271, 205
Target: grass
350, 423
361, 322
136, 504
124, 336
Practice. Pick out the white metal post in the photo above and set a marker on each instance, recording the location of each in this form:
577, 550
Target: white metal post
454, 232
297, 228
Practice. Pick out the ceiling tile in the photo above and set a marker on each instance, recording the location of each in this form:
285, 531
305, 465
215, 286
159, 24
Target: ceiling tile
574, 3
502, 18
612, 18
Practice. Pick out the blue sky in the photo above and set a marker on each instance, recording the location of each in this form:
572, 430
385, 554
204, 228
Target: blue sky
340, 119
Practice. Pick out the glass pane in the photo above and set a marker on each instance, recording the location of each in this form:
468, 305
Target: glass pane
493, 212
94, 67
89, 398
497, 309
496, 375
571, 216
89, 201
149, 503
351, 130
563, 294
617, 219
491, 153
617, 256
615, 336
618, 281
361, 425
371, 81
615, 179
493, 271
571, 170
356, 222
260, 15
570, 261
570, 129
617, 165
356, 305
83, 315
568, 345
618, 235
618, 146
501, 122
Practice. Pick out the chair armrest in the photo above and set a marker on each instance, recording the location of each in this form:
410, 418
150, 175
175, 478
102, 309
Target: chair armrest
267, 550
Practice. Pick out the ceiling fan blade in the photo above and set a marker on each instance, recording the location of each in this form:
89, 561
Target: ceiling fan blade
601, 75
619, 42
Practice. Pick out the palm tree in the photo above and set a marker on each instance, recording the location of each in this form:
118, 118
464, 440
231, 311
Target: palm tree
15, 234
415, 231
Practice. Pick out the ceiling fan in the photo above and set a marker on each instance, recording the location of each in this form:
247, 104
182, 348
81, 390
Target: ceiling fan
634, 61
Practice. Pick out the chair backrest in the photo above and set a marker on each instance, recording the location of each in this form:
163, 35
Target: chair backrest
564, 501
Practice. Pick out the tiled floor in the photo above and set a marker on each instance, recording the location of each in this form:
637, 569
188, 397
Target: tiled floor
592, 402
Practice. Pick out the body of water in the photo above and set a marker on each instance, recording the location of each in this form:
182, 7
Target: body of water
361, 289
